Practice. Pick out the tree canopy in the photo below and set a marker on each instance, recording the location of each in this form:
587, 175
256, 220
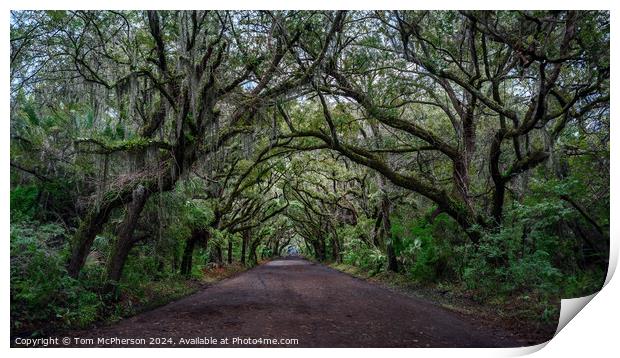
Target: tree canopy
443, 145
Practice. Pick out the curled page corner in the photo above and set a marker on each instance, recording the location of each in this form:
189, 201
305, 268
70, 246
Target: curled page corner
570, 307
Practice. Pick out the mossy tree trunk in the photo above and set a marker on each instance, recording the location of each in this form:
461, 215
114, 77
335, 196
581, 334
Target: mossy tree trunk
126, 238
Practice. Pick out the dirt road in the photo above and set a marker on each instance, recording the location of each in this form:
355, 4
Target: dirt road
293, 299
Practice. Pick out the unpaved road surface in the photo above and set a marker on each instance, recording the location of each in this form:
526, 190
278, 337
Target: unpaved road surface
294, 299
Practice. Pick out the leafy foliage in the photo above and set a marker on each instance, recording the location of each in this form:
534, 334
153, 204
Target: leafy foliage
41, 291
467, 150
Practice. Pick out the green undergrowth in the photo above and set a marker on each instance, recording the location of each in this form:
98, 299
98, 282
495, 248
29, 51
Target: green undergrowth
515, 274
45, 299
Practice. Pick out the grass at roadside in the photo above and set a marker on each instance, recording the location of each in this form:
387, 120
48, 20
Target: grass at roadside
136, 296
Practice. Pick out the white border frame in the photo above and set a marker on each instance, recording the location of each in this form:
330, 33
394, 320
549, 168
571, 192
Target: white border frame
593, 332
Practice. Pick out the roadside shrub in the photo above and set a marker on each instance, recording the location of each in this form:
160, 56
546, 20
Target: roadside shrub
41, 291
359, 253
425, 257
500, 266
583, 283
23, 202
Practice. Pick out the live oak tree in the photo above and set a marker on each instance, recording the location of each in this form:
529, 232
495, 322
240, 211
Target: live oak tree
443, 83
437, 144
171, 75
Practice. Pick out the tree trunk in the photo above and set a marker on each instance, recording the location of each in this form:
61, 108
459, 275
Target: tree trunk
100, 212
115, 265
387, 231
377, 230
498, 181
126, 239
276, 248
252, 256
385, 209
188, 252
319, 249
244, 243
336, 250
460, 176
86, 233
219, 254
230, 249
